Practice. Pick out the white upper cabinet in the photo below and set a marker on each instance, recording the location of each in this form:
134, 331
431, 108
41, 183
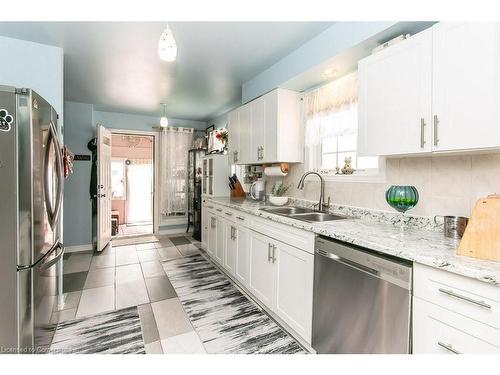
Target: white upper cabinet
233, 119
395, 98
269, 130
434, 92
245, 129
466, 82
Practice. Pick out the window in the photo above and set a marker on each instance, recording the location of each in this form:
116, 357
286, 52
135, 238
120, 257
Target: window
331, 116
118, 179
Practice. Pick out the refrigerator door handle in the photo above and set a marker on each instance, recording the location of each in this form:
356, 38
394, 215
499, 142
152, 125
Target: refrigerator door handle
44, 263
53, 213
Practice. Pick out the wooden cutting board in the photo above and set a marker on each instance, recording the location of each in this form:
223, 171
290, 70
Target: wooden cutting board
482, 235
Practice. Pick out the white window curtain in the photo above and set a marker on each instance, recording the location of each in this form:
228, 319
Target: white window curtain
174, 145
330, 110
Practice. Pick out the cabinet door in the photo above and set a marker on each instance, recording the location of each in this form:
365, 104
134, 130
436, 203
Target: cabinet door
294, 287
261, 269
204, 224
246, 155
234, 136
212, 234
394, 98
440, 331
242, 269
231, 244
221, 240
258, 109
466, 78
270, 144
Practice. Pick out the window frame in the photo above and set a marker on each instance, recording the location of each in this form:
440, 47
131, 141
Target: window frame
359, 175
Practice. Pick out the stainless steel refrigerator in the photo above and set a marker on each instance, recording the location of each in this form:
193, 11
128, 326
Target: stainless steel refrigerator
31, 191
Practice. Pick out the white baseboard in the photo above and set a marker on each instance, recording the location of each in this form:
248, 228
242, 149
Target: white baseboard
78, 248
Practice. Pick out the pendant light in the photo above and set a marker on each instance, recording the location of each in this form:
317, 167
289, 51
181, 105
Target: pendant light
164, 119
167, 47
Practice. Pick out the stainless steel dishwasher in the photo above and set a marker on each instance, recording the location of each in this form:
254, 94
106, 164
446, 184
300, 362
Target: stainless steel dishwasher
362, 300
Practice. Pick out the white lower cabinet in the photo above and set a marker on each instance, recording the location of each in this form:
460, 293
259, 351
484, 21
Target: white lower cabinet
453, 313
441, 331
204, 224
230, 247
211, 233
261, 268
281, 277
242, 268
221, 240
294, 287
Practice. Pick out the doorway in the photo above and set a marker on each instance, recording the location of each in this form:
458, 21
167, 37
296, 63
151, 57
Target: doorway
132, 184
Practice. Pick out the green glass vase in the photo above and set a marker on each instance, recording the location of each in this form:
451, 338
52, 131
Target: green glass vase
402, 198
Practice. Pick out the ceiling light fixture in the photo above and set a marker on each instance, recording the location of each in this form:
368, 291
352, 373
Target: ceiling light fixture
164, 119
330, 72
167, 47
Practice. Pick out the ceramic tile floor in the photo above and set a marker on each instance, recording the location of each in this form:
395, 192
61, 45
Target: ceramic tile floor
133, 275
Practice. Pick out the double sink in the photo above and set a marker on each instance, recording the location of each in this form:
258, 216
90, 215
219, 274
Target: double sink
304, 214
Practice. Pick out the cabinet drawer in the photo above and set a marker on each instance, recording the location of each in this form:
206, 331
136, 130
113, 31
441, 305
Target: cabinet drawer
472, 298
295, 237
437, 330
233, 215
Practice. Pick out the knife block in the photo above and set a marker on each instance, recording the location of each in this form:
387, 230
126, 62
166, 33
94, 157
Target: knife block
238, 191
482, 236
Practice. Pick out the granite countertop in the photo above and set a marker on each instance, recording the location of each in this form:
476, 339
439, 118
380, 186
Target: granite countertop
422, 246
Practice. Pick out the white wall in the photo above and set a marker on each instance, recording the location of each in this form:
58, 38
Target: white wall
35, 66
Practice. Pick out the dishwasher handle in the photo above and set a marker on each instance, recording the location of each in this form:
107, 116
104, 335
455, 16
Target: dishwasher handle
348, 263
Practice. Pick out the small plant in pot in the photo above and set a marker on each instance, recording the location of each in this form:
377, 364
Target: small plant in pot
277, 196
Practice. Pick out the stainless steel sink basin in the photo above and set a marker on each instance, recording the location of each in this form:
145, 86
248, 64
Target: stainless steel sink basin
304, 214
317, 217
288, 210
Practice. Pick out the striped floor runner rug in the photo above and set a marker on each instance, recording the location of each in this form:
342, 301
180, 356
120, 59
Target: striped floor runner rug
224, 318
114, 332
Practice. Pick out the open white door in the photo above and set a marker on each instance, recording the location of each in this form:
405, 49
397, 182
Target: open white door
103, 187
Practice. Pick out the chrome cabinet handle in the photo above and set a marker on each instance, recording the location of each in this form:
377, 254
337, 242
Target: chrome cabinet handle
422, 132
269, 252
240, 218
274, 253
448, 347
229, 213
436, 122
218, 209
236, 153
451, 293
261, 152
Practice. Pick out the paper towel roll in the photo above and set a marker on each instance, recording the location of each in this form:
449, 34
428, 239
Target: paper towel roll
274, 171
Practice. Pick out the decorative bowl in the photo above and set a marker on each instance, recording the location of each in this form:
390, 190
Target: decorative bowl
278, 201
402, 198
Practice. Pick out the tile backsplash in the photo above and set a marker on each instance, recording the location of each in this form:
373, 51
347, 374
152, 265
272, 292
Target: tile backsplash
447, 185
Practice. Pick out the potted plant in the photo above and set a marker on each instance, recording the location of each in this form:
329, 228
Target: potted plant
278, 192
